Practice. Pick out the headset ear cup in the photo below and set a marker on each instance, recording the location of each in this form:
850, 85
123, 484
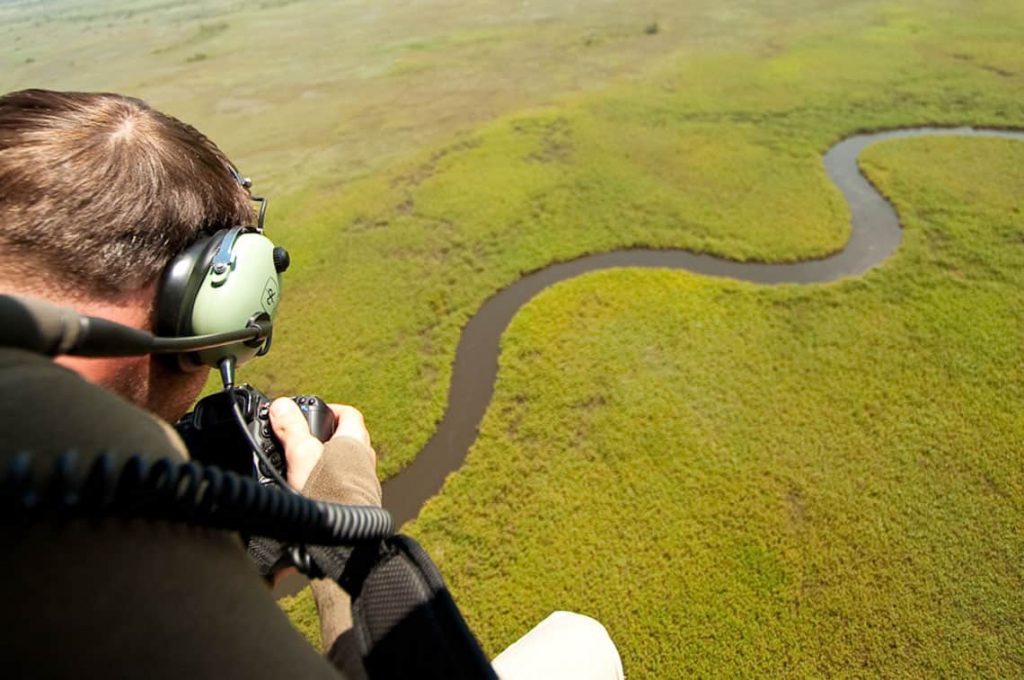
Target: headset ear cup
180, 284
231, 297
219, 284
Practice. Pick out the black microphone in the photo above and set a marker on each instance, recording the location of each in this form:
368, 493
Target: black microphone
46, 328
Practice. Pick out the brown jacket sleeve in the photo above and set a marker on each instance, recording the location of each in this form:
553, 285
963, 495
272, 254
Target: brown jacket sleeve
346, 473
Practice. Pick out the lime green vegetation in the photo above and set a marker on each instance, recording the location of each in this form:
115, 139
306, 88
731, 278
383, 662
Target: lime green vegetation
737, 480
712, 142
712, 152
301, 609
744, 480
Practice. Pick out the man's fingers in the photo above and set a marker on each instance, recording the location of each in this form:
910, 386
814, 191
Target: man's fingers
350, 423
346, 412
287, 420
301, 449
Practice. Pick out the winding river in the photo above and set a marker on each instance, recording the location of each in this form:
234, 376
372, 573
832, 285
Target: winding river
875, 234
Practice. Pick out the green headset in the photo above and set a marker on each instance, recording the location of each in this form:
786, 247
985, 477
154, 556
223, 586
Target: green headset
222, 283
215, 307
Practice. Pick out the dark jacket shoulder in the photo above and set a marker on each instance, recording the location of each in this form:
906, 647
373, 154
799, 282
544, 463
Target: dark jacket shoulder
47, 409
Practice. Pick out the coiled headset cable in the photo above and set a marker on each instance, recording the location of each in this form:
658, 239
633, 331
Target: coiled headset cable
181, 492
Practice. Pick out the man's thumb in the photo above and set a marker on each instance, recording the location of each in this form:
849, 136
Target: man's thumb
288, 422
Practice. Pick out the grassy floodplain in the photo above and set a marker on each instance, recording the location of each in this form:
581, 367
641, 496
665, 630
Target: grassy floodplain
717, 153
714, 145
736, 480
744, 480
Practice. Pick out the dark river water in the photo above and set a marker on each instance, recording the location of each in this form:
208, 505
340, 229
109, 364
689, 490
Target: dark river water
875, 234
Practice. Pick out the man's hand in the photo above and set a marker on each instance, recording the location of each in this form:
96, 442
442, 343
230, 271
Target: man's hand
302, 450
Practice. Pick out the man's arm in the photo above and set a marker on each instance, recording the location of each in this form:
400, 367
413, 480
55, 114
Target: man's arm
342, 470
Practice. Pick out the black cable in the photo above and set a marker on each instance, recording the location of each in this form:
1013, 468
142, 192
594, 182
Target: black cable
181, 492
227, 371
257, 448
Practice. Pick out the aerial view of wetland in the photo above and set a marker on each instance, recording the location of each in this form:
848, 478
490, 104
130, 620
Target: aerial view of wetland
704, 319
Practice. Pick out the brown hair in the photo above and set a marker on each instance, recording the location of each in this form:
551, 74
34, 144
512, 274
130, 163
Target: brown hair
98, 192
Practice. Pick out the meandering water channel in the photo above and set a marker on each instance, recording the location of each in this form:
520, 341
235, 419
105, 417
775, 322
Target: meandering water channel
875, 234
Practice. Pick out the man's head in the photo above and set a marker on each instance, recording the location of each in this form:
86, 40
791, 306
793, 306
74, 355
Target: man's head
98, 192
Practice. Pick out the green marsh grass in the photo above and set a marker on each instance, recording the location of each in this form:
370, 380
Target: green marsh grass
748, 480
737, 480
720, 154
301, 611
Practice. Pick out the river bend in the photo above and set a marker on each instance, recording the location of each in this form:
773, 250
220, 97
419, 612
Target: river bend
875, 234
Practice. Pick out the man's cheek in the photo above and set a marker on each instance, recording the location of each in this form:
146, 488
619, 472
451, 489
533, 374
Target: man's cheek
172, 392
128, 377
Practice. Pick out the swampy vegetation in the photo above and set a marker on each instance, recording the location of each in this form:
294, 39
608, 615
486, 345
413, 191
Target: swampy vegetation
736, 479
